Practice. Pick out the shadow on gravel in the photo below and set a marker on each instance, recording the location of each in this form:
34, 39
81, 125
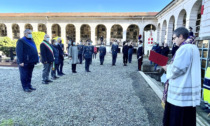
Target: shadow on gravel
148, 98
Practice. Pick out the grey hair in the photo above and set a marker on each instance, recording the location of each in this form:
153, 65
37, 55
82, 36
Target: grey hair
45, 36
58, 39
26, 31
182, 31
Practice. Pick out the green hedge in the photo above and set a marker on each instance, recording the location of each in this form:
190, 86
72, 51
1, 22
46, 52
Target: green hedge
6, 43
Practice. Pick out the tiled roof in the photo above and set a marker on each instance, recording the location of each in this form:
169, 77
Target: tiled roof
127, 14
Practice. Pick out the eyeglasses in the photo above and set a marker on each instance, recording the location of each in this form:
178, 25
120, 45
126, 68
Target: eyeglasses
173, 38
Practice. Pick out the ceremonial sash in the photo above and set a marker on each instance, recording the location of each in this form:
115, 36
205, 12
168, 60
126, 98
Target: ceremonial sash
51, 50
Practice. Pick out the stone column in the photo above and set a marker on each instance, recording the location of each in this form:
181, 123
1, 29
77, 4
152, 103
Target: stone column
22, 29
93, 33
35, 27
49, 29
63, 34
77, 28
125, 26
108, 34
9, 30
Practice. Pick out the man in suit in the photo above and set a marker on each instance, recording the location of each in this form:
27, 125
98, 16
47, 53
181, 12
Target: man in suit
87, 53
102, 51
125, 53
80, 49
47, 58
27, 57
114, 52
140, 53
61, 57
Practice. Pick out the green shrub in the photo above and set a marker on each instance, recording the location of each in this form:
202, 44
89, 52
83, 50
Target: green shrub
6, 43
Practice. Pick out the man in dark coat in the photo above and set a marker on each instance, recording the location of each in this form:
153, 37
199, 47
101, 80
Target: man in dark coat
125, 53
114, 53
102, 51
165, 50
47, 59
140, 53
130, 52
174, 49
87, 53
56, 61
80, 49
27, 57
61, 57
157, 49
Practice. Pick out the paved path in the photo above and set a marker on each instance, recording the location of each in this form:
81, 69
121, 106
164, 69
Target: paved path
107, 96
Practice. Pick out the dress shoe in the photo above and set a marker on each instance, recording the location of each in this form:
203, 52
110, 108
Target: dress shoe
63, 74
74, 72
49, 81
56, 77
88, 71
53, 78
32, 88
27, 90
60, 74
44, 82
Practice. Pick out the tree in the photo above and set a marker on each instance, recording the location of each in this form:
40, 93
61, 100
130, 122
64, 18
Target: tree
38, 37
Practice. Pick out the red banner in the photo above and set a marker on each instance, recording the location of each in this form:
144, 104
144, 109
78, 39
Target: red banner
158, 58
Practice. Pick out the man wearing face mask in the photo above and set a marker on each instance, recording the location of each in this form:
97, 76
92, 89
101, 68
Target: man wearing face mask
165, 50
102, 51
73, 55
47, 59
87, 53
27, 57
114, 52
54, 46
80, 49
140, 53
61, 57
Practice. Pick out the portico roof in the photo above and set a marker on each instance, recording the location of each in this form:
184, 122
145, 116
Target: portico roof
78, 14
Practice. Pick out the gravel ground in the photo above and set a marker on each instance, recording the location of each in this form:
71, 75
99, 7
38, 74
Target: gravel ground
107, 96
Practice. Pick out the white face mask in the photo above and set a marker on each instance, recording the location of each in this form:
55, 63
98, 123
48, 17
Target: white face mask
48, 39
56, 43
74, 43
29, 35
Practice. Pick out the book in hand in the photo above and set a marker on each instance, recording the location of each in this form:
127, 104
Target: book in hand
158, 58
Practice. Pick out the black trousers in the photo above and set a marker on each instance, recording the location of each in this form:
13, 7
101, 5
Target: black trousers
26, 75
60, 67
130, 57
125, 58
179, 116
102, 59
80, 58
114, 57
73, 67
87, 63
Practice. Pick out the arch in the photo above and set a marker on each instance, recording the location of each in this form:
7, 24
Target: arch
3, 30
195, 17
56, 30
85, 32
148, 27
171, 27
29, 26
163, 33
15, 31
100, 33
42, 28
132, 33
70, 32
116, 32
181, 21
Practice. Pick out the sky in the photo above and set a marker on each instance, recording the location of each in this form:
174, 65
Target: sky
28, 6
